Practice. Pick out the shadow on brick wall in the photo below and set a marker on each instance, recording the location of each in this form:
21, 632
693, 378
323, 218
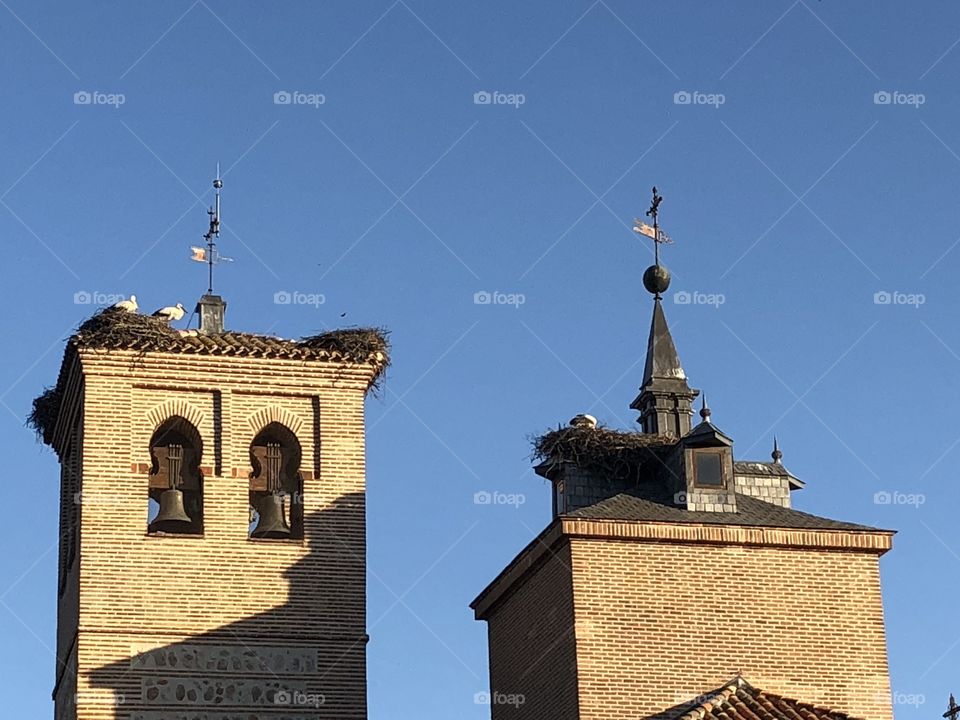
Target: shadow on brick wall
303, 659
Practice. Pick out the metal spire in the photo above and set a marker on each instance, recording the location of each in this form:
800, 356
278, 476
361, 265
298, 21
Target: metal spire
953, 710
704, 409
213, 234
654, 212
776, 454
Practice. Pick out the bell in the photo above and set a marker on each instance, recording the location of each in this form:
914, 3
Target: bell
172, 517
271, 523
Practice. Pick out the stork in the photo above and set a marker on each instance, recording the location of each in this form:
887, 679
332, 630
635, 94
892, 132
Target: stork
128, 305
175, 312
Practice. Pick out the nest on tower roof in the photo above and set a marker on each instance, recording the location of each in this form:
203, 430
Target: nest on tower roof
117, 329
615, 454
354, 344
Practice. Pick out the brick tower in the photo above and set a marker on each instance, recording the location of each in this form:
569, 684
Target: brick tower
212, 552
677, 581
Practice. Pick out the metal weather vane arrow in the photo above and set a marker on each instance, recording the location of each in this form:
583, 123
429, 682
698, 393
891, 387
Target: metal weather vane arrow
653, 232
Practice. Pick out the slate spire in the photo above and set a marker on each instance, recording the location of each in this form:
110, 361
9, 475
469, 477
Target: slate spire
666, 400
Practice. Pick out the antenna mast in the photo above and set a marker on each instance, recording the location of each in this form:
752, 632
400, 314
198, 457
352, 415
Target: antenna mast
213, 234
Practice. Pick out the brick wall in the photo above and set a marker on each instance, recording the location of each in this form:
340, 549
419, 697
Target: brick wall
660, 623
195, 596
532, 646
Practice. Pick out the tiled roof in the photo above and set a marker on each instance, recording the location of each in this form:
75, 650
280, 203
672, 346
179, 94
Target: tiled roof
752, 467
750, 512
766, 469
739, 700
119, 330
113, 329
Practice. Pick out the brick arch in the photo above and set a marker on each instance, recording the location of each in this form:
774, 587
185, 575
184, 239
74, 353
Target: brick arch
173, 408
274, 414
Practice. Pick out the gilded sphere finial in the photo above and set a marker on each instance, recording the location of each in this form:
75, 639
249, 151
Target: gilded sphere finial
656, 279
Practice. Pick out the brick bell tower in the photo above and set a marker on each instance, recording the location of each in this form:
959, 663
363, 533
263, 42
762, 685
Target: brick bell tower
212, 532
676, 581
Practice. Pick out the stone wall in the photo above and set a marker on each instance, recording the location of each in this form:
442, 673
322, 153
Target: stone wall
770, 488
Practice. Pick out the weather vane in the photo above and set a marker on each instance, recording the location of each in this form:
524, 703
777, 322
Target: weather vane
953, 710
209, 254
656, 278
658, 236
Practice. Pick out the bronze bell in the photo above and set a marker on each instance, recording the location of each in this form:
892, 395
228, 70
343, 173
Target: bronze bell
172, 517
271, 523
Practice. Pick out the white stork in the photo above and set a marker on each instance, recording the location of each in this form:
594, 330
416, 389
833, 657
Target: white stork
175, 312
128, 305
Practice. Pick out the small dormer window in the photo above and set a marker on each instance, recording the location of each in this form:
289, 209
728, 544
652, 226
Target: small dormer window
708, 468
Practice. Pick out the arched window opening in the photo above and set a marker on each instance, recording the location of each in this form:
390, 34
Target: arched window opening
176, 483
276, 486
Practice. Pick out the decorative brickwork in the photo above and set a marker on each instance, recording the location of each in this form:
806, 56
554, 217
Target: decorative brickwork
664, 612
149, 625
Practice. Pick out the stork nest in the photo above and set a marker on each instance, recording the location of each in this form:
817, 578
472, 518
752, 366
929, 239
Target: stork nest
43, 414
117, 328
357, 345
615, 454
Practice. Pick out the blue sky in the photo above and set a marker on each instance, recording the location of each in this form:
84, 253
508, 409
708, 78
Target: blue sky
811, 188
